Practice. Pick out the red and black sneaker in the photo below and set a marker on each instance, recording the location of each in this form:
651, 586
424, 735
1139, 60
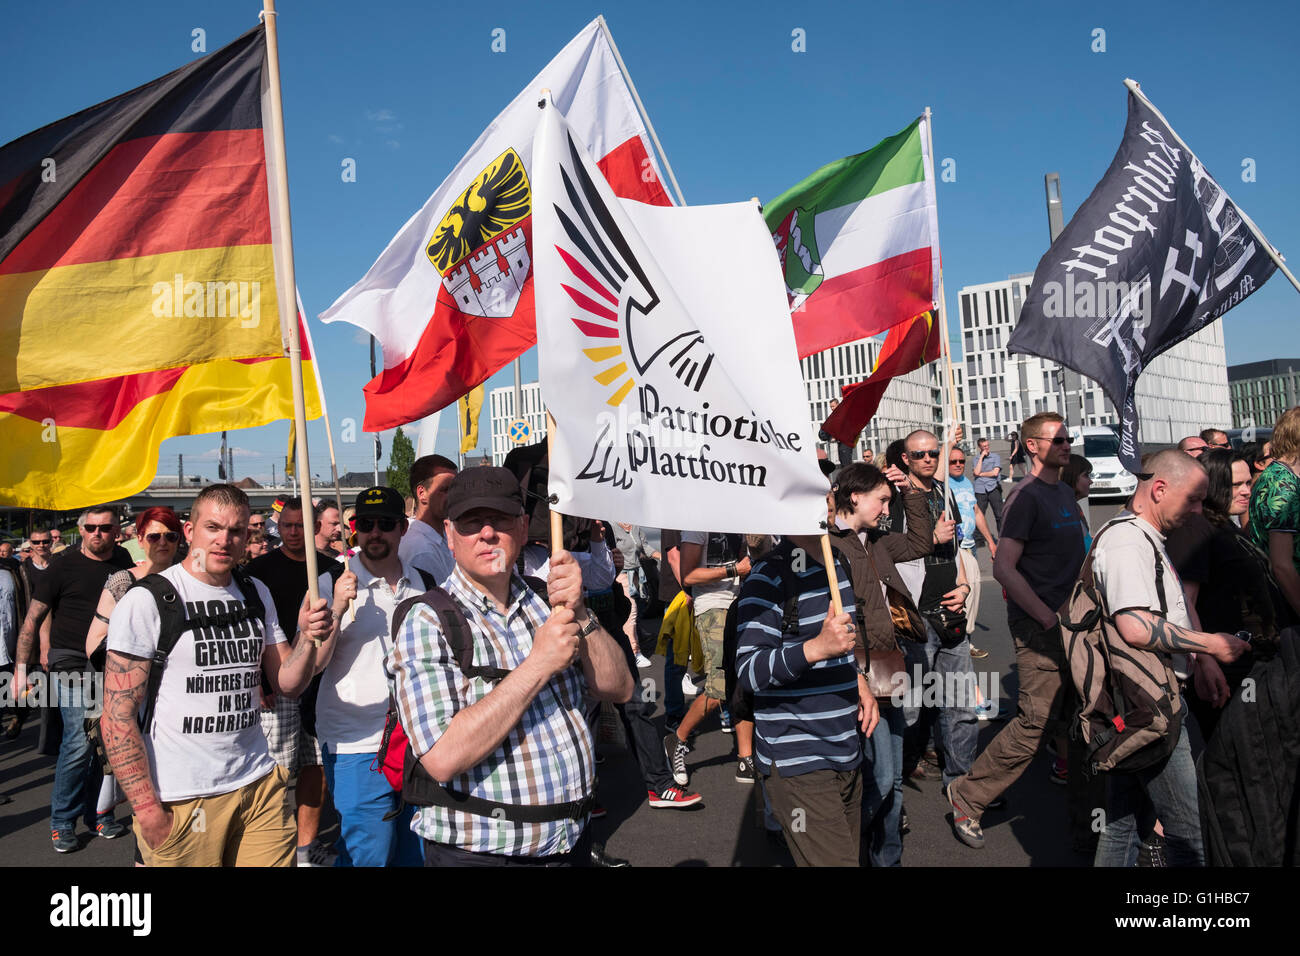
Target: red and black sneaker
674, 797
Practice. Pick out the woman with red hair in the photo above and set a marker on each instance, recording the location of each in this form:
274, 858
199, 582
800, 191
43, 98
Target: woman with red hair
159, 533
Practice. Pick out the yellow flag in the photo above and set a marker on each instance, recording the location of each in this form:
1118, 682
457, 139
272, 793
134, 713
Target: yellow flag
289, 458
469, 407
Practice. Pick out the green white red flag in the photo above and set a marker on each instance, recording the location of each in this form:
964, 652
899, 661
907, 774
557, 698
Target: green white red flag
859, 242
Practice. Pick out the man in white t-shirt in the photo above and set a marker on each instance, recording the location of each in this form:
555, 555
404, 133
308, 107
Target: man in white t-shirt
353, 700
1125, 568
423, 545
202, 785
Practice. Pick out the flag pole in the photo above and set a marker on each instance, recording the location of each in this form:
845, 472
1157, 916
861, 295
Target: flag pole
946, 380
1136, 90
650, 127
324, 409
828, 559
288, 309
557, 519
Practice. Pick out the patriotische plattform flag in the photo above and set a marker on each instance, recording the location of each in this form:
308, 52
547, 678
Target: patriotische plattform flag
666, 357
1155, 253
859, 242
138, 295
908, 346
451, 298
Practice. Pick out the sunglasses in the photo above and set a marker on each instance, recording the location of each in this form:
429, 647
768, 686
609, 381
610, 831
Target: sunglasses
39, 542
256, 524
153, 537
1058, 440
101, 528
366, 525
474, 524
956, 461
929, 453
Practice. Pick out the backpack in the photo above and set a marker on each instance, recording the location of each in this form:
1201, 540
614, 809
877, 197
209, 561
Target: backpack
1130, 712
403, 770
173, 624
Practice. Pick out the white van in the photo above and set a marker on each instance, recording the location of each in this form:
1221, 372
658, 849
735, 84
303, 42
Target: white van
1100, 445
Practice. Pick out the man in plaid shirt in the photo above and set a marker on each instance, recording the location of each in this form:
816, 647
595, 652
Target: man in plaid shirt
520, 742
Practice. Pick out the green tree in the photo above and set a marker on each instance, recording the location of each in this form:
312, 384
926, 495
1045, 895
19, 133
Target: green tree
400, 459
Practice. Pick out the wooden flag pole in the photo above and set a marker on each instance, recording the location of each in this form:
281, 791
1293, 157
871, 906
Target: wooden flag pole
946, 379
828, 559
557, 519
288, 307
1136, 90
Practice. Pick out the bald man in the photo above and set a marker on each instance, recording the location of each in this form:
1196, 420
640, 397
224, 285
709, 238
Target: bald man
1193, 445
1150, 612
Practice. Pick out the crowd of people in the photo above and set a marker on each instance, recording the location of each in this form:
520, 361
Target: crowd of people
444, 688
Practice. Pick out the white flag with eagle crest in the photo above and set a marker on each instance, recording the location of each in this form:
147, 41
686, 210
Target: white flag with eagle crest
667, 357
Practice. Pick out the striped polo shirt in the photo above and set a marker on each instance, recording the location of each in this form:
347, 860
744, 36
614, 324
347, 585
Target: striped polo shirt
805, 715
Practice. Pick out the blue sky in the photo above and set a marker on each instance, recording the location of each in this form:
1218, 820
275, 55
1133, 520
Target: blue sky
404, 88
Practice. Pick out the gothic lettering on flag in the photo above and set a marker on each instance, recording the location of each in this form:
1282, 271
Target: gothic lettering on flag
451, 298
677, 398
1155, 253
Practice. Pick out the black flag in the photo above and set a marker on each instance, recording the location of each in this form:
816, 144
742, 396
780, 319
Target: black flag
1157, 252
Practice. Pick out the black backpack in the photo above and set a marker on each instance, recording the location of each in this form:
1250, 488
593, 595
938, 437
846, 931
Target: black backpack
418, 787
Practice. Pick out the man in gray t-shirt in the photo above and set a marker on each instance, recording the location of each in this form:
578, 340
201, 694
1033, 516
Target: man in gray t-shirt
986, 476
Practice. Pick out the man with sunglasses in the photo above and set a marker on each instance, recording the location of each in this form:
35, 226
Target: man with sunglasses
1038, 560
973, 522
511, 748
58, 547
353, 700
940, 590
69, 592
294, 747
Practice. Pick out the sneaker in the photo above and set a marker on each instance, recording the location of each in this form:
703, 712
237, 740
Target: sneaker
598, 810
642, 662
746, 772
967, 830
725, 720
64, 841
904, 828
109, 828
676, 752
600, 858
1060, 773
674, 797
978, 653
316, 854
688, 686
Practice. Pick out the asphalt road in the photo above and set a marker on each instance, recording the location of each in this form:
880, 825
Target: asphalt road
725, 831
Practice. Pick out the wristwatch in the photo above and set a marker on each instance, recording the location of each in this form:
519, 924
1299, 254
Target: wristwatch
590, 627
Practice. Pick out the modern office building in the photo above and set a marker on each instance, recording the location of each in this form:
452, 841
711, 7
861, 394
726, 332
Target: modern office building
1181, 392
501, 409
912, 401
1262, 391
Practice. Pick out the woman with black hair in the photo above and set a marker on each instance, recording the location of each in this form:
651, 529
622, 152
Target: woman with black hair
1017, 456
1227, 582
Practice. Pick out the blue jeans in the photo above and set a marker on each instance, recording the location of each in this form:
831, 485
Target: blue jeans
882, 791
362, 797
674, 699
946, 672
77, 773
1170, 789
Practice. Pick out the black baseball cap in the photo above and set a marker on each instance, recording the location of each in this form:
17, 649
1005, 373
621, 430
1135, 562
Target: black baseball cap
380, 502
485, 487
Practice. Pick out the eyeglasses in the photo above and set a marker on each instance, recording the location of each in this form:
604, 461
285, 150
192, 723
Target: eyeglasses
956, 461
39, 542
1058, 440
100, 528
255, 525
927, 453
153, 537
366, 525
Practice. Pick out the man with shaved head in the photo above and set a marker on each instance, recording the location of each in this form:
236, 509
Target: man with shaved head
1144, 595
1193, 445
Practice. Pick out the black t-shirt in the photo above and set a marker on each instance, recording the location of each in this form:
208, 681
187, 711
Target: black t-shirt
286, 579
668, 586
1045, 518
71, 586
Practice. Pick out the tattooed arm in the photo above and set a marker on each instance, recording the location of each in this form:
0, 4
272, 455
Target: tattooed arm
37, 612
1142, 628
126, 679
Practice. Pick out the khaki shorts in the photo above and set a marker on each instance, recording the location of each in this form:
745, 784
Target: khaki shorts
251, 826
711, 624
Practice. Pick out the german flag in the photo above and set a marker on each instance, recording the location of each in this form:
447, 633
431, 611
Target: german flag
138, 294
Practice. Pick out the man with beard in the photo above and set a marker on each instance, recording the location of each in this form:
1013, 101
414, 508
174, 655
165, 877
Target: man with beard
353, 699
70, 591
